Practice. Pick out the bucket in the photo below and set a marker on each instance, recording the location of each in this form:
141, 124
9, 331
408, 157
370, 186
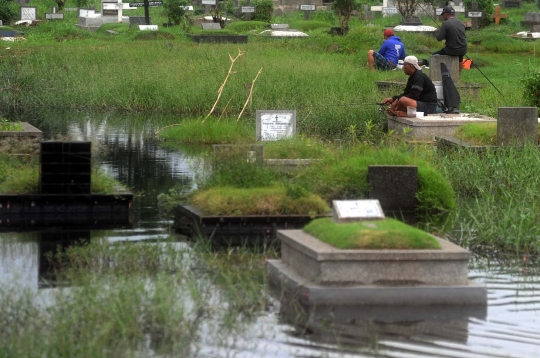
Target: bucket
439, 89
411, 112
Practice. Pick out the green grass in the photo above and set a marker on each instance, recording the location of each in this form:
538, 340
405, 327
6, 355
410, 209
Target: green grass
478, 133
6, 125
210, 131
384, 234
256, 201
296, 148
135, 299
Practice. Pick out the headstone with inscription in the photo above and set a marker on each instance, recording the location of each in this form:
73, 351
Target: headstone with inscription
475, 14
53, 15
357, 210
307, 9
28, 13
275, 124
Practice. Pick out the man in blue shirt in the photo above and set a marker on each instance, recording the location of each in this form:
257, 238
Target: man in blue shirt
392, 50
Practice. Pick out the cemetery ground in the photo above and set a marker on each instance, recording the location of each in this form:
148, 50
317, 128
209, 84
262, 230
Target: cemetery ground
127, 294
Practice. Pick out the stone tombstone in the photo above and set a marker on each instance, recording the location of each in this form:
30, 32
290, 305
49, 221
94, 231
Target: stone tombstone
109, 8
28, 13
87, 12
517, 125
512, 4
275, 124
451, 62
1, 23
531, 18
227, 153
395, 186
307, 9
357, 210
138, 20
411, 21
475, 14
279, 26
535, 28
211, 26
53, 15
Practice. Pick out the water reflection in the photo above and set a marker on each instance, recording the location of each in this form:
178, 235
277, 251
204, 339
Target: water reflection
509, 327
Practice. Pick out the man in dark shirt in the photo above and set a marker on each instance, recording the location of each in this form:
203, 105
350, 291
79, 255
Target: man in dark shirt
419, 92
453, 32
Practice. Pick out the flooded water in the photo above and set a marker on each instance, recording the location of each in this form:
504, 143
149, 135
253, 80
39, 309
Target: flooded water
508, 327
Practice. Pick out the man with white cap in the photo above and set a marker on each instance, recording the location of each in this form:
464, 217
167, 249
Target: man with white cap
453, 32
419, 92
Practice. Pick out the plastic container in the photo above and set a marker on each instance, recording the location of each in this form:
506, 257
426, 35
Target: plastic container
439, 89
399, 65
411, 112
419, 114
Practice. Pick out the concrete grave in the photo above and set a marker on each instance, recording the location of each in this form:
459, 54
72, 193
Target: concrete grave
475, 14
531, 19
138, 20
53, 15
249, 153
395, 186
279, 26
321, 274
275, 124
451, 62
211, 26
517, 125
512, 4
433, 125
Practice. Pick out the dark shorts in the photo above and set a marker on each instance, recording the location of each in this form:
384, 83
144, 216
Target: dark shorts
382, 63
427, 108
443, 52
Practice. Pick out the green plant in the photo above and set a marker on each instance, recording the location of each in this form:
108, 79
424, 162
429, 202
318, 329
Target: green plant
8, 11
344, 9
174, 10
263, 10
6, 125
531, 89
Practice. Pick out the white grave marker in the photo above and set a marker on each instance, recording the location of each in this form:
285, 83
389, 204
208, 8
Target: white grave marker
275, 124
148, 27
356, 210
29, 13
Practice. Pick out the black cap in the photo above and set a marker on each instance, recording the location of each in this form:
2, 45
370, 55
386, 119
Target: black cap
448, 10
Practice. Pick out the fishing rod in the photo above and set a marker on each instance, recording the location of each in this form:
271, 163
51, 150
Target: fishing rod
467, 57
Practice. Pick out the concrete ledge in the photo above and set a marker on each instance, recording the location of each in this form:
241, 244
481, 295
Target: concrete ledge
29, 131
428, 127
313, 294
326, 265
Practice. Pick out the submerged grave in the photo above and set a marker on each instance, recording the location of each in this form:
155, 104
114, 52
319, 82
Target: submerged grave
65, 195
317, 273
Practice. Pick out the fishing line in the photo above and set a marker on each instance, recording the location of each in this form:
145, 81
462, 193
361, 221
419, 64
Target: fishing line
467, 57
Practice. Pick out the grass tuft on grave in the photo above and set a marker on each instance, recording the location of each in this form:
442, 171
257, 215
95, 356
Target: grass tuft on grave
296, 148
479, 133
384, 234
7, 126
304, 25
343, 175
115, 26
257, 201
246, 26
209, 131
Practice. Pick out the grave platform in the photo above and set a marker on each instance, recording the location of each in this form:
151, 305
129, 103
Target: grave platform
319, 274
28, 132
45, 210
222, 229
432, 125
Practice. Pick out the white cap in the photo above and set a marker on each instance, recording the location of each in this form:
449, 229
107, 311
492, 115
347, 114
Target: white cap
413, 61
